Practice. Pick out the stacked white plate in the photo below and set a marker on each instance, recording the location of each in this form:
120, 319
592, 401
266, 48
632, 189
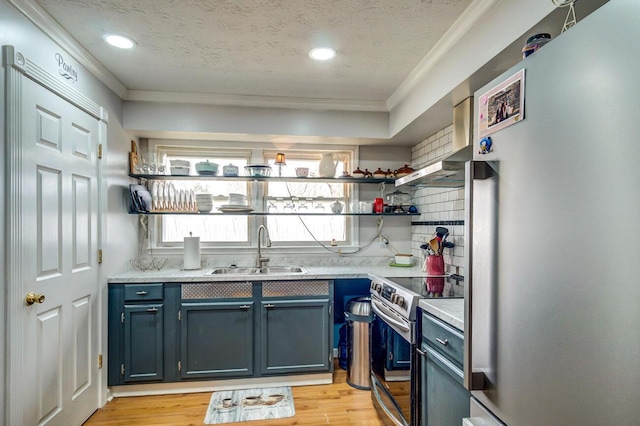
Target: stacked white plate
237, 203
230, 208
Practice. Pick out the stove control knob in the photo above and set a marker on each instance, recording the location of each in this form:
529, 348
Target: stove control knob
377, 287
397, 299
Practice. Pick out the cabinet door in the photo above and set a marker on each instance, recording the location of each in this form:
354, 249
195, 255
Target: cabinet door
143, 343
295, 336
216, 339
445, 401
399, 351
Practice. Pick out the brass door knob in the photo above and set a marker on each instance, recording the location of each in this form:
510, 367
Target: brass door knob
34, 298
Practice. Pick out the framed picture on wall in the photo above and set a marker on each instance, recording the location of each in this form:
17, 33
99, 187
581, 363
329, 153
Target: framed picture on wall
502, 106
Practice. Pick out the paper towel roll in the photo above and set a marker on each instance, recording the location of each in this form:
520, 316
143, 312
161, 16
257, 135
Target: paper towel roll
191, 252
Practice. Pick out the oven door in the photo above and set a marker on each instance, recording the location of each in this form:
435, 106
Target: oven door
391, 365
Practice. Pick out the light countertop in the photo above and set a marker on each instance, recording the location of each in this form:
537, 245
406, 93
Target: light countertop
450, 311
170, 275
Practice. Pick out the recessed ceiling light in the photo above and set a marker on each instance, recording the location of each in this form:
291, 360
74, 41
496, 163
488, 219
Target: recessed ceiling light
322, 53
119, 41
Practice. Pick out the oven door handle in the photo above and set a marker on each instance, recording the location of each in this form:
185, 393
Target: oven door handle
388, 315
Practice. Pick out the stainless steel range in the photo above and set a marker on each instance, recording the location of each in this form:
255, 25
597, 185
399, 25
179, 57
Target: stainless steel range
394, 360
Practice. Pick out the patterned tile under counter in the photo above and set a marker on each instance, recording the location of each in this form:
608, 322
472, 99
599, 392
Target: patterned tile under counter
450, 311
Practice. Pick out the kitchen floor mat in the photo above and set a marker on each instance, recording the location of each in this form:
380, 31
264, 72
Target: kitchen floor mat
250, 404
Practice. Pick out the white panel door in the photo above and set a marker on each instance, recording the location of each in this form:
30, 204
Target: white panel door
60, 234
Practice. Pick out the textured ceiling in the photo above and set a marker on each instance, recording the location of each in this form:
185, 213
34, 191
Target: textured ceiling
260, 47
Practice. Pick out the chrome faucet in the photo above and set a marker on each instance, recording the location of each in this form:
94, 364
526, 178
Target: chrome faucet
262, 261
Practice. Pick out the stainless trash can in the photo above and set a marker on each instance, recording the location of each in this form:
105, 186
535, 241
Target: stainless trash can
358, 316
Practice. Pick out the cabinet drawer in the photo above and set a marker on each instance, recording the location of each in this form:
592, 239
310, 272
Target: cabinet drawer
142, 292
442, 337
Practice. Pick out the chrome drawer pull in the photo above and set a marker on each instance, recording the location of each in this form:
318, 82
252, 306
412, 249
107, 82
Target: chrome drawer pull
152, 310
444, 342
269, 305
244, 306
141, 293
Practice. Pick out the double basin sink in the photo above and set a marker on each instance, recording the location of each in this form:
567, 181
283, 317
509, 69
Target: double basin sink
268, 270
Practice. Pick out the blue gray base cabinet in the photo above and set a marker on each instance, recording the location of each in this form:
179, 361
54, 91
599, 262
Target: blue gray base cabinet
295, 331
137, 330
445, 401
216, 340
201, 331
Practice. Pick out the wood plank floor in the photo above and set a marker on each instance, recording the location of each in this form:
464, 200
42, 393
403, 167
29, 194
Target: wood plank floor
334, 404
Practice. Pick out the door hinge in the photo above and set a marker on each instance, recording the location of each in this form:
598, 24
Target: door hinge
122, 369
330, 309
99, 256
100, 362
100, 151
122, 317
179, 366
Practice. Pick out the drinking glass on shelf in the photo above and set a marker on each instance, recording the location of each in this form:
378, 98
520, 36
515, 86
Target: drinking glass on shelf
302, 206
272, 206
319, 206
289, 206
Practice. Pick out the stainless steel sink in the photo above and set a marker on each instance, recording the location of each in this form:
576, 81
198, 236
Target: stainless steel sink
270, 270
235, 270
283, 270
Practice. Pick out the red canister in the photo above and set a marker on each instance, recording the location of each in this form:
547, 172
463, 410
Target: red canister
378, 205
435, 266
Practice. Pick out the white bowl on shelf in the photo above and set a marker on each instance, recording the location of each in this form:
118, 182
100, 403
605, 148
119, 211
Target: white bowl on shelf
180, 163
203, 196
237, 199
204, 206
180, 171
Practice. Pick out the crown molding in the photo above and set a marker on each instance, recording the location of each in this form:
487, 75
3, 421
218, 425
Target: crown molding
469, 18
256, 101
41, 19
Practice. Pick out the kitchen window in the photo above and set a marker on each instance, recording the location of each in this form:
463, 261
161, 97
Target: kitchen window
212, 230
301, 196
273, 197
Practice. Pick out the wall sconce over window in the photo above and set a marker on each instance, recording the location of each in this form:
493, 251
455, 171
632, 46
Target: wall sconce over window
280, 161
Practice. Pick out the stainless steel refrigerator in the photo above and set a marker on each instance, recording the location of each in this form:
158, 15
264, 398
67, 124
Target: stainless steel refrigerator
553, 236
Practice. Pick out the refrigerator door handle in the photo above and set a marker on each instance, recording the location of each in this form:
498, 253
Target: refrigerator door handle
474, 380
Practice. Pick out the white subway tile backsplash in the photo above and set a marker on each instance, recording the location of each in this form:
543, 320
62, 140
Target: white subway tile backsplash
439, 205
